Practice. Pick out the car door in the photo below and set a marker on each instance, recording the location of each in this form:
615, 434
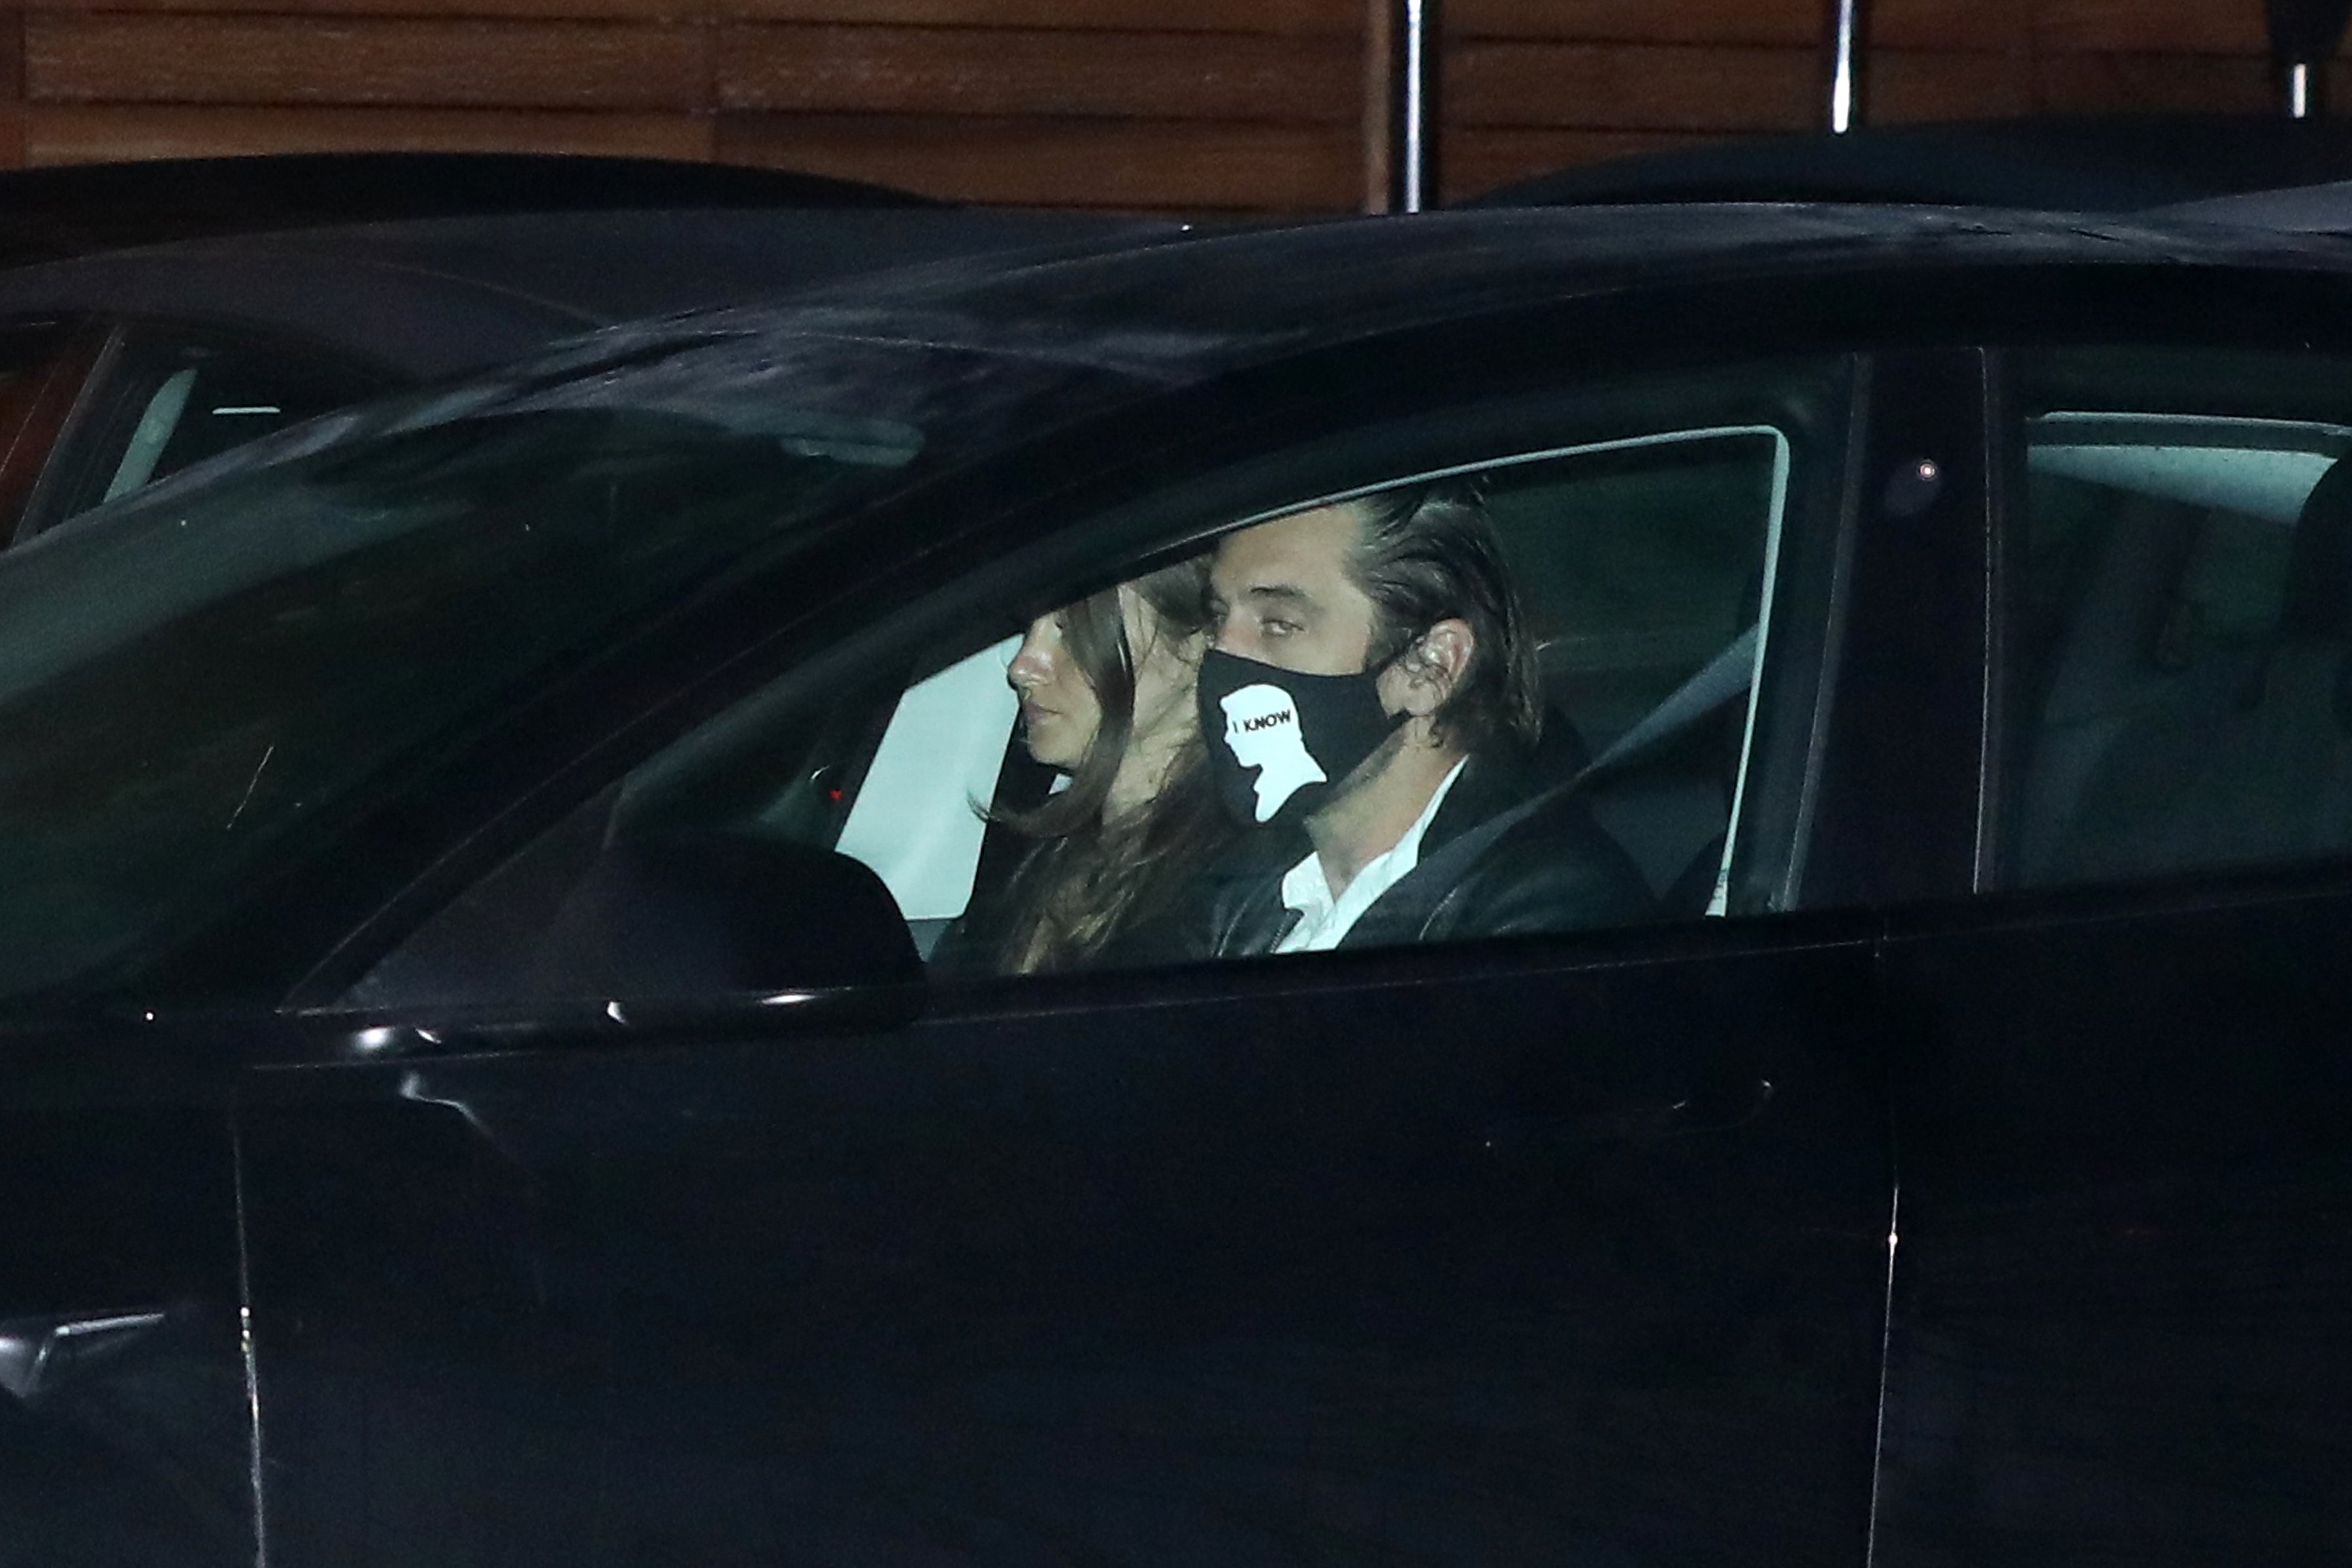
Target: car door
1573, 1253
125, 1425
125, 1409
1569, 1247
2124, 1174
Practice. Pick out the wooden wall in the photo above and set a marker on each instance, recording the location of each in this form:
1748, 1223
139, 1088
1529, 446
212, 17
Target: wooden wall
1186, 105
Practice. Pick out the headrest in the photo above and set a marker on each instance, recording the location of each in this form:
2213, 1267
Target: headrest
2315, 603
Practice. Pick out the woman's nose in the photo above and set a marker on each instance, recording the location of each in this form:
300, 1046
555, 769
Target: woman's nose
1032, 661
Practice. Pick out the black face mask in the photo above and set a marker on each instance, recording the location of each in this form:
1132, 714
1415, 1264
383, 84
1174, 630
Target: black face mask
1280, 742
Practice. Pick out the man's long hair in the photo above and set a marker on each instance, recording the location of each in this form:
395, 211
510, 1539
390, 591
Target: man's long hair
1427, 553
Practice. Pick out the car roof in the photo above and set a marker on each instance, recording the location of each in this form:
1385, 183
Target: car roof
2107, 163
1080, 335
1220, 297
438, 297
613, 265
2303, 209
71, 210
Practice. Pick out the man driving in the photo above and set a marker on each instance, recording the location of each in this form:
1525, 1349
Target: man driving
1371, 703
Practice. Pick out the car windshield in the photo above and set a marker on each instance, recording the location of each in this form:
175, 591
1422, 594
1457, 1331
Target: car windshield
193, 681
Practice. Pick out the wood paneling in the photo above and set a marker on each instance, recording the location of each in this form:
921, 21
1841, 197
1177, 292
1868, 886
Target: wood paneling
2151, 26
1064, 162
1795, 22
939, 70
1477, 160
1324, 18
1910, 85
1973, 26
11, 88
89, 135
685, 11
362, 60
12, 56
1229, 105
2131, 84
1632, 86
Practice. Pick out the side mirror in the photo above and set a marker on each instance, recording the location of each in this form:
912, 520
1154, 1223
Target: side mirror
713, 914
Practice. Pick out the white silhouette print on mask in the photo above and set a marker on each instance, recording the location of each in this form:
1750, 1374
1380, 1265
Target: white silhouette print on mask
1262, 729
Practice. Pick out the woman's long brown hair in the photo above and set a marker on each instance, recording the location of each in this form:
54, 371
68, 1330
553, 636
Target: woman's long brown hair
1088, 881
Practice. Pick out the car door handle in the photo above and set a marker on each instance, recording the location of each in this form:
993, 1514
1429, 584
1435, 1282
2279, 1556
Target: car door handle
1719, 1107
38, 1354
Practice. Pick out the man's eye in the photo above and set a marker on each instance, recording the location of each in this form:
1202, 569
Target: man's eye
1275, 628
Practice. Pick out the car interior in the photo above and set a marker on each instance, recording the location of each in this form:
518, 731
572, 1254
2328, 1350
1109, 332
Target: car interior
1643, 563
2189, 701
1642, 567
163, 401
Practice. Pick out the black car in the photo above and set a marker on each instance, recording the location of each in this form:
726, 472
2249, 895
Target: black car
474, 1093
155, 314
2101, 162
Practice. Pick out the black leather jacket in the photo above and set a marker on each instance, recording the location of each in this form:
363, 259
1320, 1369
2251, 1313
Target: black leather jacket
1507, 854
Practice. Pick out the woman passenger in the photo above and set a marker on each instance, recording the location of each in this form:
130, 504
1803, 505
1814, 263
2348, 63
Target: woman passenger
1106, 698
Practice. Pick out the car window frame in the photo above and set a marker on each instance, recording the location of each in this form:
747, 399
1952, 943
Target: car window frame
1080, 549
435, 828
110, 395
2010, 604
1750, 692
73, 352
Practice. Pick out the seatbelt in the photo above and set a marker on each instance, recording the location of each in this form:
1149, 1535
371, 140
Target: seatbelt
1722, 678
1719, 679
1450, 863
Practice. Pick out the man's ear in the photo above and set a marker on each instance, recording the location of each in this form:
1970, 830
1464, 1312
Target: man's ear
1433, 667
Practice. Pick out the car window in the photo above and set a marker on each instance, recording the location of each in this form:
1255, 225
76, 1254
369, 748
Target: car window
209, 681
2179, 686
188, 688
163, 401
1644, 565
1640, 568
43, 367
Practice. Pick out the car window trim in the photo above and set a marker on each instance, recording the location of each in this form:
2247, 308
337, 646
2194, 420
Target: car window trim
1770, 562
1064, 536
1885, 827
2005, 492
329, 1034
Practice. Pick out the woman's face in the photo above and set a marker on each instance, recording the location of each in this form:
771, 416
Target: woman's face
1059, 711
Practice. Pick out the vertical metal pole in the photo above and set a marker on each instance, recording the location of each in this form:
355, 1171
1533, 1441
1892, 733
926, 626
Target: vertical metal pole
1414, 120
1845, 65
2306, 36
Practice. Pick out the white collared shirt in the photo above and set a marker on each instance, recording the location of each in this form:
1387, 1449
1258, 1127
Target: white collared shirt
1323, 920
